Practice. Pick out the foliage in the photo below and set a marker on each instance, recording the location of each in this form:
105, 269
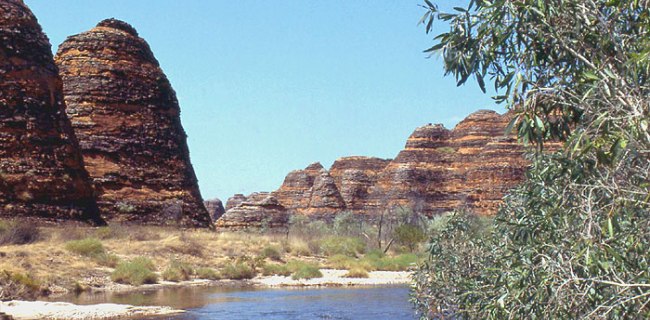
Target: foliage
15, 286
356, 272
449, 279
304, 270
409, 235
18, 232
571, 241
207, 273
177, 271
271, 252
88, 247
343, 245
238, 270
135, 272
276, 269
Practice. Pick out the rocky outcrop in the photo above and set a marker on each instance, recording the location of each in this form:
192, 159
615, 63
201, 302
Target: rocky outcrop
127, 118
354, 177
215, 208
41, 169
470, 167
258, 210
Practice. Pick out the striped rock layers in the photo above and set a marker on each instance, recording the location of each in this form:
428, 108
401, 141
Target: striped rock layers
41, 169
127, 118
470, 167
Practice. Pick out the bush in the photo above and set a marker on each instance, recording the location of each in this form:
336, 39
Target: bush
298, 247
273, 269
107, 260
401, 262
340, 261
135, 272
16, 286
343, 245
409, 235
238, 271
18, 232
88, 247
207, 273
177, 271
304, 270
271, 252
356, 272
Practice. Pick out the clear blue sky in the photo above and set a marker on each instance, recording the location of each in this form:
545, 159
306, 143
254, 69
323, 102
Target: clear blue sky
267, 87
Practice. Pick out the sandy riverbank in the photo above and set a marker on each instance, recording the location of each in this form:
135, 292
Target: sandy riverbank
23, 310
335, 278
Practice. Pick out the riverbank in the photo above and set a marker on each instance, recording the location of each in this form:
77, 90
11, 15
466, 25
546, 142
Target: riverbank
23, 310
27, 310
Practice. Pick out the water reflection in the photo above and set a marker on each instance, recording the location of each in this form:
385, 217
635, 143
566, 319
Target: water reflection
228, 303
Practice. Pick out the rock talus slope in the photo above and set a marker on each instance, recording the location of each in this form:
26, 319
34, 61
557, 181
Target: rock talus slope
41, 168
127, 118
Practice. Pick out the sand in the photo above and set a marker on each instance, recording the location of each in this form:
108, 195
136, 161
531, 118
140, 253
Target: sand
61, 310
332, 277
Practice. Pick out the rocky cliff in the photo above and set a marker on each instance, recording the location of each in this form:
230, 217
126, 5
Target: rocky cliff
41, 169
127, 118
470, 167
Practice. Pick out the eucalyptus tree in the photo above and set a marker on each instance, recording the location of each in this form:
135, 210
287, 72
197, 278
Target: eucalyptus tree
572, 241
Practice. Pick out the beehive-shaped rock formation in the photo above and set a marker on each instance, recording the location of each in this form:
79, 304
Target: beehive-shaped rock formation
41, 168
127, 118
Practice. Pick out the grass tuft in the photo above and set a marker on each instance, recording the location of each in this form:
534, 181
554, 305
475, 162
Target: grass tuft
207, 273
238, 271
356, 272
88, 247
304, 270
135, 272
177, 271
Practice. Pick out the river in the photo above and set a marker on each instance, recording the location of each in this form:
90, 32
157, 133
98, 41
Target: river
234, 304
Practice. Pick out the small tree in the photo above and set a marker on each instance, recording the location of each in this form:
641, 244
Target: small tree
409, 235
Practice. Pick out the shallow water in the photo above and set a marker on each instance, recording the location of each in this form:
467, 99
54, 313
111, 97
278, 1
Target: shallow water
227, 303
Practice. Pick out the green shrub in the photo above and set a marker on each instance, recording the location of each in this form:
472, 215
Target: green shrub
18, 232
356, 272
340, 261
238, 271
409, 235
401, 262
343, 245
107, 260
88, 247
447, 150
271, 252
135, 272
207, 273
177, 271
304, 270
272, 269
15, 286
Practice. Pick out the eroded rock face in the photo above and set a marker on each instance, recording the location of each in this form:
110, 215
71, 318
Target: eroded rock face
127, 118
470, 167
215, 208
258, 210
41, 169
354, 176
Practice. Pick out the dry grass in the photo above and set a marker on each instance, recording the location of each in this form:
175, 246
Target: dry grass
54, 262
